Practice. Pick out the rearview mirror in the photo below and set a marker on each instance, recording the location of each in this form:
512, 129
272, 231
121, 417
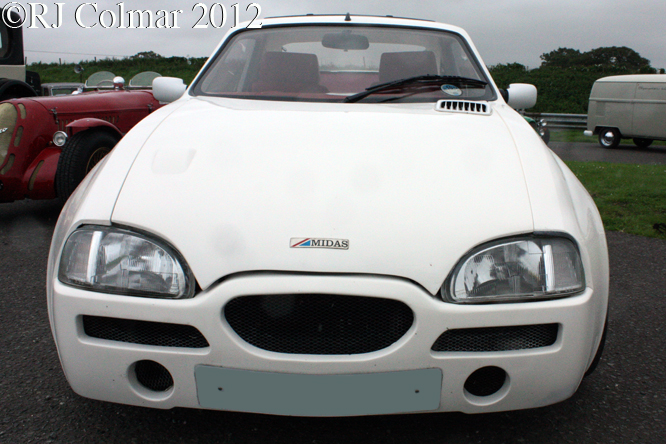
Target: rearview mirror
346, 41
168, 89
521, 95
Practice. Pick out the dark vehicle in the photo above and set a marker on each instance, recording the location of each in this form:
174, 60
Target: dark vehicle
15, 81
540, 126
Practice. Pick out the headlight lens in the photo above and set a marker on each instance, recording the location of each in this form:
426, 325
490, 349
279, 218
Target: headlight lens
59, 138
113, 260
517, 270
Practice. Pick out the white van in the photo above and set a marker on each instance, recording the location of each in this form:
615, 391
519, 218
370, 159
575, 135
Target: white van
632, 106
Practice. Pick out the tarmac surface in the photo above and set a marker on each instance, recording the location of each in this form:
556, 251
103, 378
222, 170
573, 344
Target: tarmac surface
625, 153
624, 401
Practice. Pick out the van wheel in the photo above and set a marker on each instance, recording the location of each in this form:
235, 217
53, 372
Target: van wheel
609, 137
642, 143
79, 155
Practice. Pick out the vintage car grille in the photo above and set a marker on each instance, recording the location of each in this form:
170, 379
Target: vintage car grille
318, 324
464, 106
494, 339
8, 116
143, 332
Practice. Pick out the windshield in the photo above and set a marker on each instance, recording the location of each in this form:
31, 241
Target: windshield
331, 63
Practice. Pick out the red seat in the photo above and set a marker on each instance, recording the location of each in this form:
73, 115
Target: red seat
288, 72
401, 65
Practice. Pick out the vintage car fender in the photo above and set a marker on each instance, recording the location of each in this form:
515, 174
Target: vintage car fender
88, 123
40, 175
29, 125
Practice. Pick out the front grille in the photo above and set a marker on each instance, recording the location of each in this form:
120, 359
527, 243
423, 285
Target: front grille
143, 332
318, 324
494, 339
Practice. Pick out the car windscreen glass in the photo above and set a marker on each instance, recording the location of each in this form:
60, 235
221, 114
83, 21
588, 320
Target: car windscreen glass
330, 63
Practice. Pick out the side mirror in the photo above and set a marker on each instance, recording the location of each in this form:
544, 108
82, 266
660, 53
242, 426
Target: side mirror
168, 89
521, 95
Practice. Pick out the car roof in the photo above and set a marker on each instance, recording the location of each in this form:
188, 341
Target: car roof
643, 78
354, 19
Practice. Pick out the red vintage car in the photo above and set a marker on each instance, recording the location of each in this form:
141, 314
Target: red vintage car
48, 144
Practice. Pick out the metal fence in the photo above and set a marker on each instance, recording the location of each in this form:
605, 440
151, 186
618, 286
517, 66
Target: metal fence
562, 121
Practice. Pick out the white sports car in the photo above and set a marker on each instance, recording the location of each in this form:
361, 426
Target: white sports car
342, 215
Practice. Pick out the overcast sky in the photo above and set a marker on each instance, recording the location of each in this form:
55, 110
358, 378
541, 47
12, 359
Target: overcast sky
503, 31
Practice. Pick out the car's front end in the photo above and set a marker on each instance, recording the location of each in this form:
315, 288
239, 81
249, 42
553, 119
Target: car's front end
314, 252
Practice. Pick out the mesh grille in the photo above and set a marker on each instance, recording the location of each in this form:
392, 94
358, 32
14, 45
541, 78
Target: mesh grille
143, 332
153, 376
497, 338
318, 324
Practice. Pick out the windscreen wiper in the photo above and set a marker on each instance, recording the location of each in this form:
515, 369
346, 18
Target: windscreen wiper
415, 82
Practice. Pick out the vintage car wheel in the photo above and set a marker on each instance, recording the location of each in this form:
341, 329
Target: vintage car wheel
642, 143
79, 155
609, 137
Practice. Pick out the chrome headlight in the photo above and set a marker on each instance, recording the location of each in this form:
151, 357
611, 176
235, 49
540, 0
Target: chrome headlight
113, 260
515, 270
59, 138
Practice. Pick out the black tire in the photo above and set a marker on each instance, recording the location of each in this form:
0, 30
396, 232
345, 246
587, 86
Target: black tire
15, 89
609, 137
79, 155
600, 351
545, 135
642, 143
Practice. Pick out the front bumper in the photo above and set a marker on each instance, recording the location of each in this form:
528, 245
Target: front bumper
105, 370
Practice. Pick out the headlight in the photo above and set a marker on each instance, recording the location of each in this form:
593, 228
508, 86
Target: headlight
59, 138
112, 260
515, 270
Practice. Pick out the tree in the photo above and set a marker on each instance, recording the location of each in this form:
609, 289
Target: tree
621, 59
613, 59
146, 55
561, 58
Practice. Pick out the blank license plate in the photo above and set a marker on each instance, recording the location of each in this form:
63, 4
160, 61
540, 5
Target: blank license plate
318, 395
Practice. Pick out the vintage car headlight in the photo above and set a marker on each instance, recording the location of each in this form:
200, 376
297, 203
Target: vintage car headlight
114, 260
515, 270
59, 138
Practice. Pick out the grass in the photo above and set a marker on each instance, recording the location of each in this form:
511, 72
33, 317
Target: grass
631, 198
578, 136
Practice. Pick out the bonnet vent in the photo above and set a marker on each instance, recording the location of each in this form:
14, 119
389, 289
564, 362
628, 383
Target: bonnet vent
464, 106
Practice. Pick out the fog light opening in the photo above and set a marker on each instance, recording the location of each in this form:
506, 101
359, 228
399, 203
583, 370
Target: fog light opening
153, 376
486, 382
